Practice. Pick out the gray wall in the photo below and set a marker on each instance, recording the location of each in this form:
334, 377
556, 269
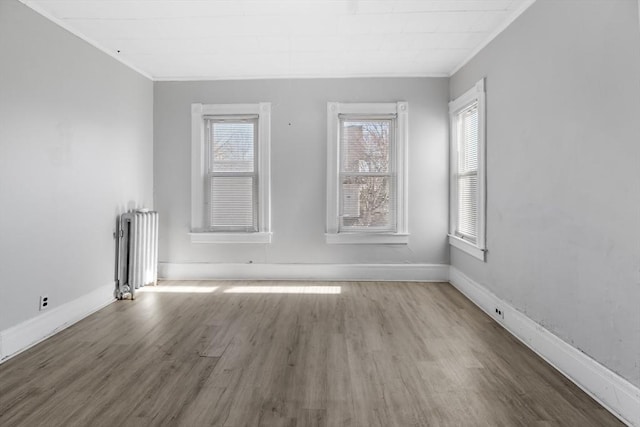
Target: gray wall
298, 161
563, 165
76, 144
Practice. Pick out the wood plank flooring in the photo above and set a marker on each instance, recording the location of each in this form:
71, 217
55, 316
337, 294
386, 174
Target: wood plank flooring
246, 354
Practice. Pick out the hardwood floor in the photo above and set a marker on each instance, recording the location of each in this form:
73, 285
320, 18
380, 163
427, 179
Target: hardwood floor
246, 354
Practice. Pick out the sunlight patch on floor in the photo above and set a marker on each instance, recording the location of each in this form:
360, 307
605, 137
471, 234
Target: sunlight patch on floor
329, 290
178, 289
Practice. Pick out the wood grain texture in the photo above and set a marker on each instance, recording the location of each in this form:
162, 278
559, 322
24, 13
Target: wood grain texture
376, 354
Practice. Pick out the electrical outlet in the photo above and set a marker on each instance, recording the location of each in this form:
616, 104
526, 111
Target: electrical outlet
499, 312
44, 302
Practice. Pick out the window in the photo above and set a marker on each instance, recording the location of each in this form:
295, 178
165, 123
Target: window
467, 198
366, 173
230, 173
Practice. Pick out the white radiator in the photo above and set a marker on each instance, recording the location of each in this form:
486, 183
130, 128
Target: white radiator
137, 252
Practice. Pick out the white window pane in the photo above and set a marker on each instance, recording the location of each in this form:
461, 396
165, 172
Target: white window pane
367, 202
232, 203
468, 205
365, 145
232, 146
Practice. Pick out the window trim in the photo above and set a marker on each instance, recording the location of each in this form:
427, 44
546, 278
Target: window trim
478, 248
333, 235
198, 232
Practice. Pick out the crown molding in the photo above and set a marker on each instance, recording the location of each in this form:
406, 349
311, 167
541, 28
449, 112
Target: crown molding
296, 76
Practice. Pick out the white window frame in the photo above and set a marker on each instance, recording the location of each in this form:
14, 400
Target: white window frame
199, 233
474, 95
333, 234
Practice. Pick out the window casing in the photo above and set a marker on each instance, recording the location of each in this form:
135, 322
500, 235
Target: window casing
230, 173
366, 173
468, 177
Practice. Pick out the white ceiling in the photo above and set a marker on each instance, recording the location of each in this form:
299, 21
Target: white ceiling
241, 39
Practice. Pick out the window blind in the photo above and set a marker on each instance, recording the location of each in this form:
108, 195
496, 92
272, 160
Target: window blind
232, 173
467, 174
367, 174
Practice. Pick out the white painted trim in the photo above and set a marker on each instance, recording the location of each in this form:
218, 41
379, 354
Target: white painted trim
197, 166
229, 109
19, 338
230, 237
468, 97
612, 391
514, 15
321, 272
467, 247
402, 167
333, 160
475, 94
264, 173
401, 154
198, 169
366, 107
366, 239
62, 23
298, 76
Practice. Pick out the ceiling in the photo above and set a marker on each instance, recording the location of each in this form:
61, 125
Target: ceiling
244, 39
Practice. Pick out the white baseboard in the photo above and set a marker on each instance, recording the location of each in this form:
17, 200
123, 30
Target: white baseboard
19, 338
321, 272
612, 391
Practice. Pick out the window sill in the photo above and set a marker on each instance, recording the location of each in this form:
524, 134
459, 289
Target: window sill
367, 238
208, 237
467, 247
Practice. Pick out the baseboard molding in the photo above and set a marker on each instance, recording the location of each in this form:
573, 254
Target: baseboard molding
19, 338
320, 272
612, 391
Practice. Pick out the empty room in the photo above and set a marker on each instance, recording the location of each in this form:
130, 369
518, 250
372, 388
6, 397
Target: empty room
320, 213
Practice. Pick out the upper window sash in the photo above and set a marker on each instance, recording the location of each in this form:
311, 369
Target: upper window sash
216, 168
